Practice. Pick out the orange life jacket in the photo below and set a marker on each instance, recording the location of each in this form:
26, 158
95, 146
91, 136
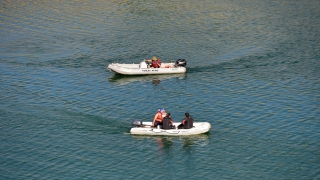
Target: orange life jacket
159, 115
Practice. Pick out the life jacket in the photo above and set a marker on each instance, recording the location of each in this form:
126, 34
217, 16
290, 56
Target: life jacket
159, 115
156, 63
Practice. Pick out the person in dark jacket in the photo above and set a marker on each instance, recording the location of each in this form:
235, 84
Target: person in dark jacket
167, 122
187, 122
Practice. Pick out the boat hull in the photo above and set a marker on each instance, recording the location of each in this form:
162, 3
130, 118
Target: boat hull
134, 69
146, 129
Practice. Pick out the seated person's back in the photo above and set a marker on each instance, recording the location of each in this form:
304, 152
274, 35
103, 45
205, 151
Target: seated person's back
187, 122
167, 122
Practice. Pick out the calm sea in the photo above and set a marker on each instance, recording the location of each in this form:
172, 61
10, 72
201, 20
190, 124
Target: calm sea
253, 73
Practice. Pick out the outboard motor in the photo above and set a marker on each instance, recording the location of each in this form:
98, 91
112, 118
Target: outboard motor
136, 123
181, 62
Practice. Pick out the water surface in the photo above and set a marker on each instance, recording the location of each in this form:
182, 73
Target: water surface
253, 74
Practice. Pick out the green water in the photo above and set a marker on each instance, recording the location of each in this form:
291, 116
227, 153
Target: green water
253, 74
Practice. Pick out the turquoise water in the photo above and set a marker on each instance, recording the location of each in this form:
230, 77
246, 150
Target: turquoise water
253, 74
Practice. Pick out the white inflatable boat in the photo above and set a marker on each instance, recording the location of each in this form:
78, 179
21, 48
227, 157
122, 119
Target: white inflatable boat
144, 128
142, 68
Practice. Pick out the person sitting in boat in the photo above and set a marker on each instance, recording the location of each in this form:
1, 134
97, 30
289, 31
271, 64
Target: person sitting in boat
154, 62
187, 122
157, 120
167, 122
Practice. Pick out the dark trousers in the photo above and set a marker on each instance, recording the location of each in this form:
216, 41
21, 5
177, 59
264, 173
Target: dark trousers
181, 126
157, 123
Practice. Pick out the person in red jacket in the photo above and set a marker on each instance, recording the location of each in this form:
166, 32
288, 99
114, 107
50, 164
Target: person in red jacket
155, 62
157, 120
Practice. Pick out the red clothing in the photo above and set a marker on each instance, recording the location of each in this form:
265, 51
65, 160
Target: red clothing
156, 63
159, 116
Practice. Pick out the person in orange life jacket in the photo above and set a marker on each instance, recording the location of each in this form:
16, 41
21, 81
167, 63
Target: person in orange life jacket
187, 122
167, 122
157, 120
155, 62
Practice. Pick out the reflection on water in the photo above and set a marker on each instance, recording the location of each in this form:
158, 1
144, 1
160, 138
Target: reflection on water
164, 142
187, 142
155, 79
201, 139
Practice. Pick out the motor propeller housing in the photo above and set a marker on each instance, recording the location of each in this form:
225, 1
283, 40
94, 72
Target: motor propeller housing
181, 62
136, 123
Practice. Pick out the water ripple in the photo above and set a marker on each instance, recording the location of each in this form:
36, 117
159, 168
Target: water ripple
252, 74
